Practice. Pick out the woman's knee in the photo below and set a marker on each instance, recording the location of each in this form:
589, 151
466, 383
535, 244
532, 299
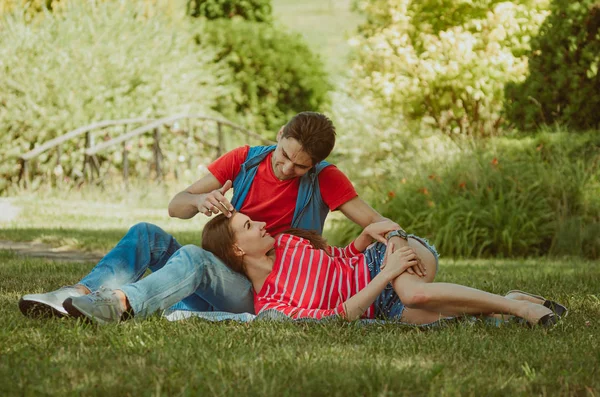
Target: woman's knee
414, 297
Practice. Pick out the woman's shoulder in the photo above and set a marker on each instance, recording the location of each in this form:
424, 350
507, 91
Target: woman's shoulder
285, 239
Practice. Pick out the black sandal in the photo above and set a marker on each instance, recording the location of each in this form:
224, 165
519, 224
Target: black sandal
558, 309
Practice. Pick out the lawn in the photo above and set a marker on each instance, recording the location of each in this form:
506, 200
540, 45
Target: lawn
195, 357
155, 356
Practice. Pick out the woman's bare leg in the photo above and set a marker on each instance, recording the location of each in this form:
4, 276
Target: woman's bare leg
524, 297
448, 299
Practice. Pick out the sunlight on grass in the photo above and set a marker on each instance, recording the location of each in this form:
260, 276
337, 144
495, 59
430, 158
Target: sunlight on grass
90, 221
326, 26
93, 214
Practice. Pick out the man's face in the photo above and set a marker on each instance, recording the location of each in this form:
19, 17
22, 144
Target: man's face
289, 160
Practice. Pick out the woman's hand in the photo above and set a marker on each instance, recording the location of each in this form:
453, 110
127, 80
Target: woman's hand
375, 231
399, 260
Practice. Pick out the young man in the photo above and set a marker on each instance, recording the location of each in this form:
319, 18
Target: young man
287, 185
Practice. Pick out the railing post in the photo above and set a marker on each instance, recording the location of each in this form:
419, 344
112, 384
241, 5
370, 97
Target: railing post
157, 153
25, 173
125, 165
190, 142
86, 160
58, 165
220, 149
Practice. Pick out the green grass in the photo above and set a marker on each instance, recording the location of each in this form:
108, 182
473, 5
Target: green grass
195, 357
325, 25
93, 220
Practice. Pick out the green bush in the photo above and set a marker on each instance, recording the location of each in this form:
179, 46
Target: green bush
251, 10
442, 64
563, 84
91, 63
275, 72
507, 197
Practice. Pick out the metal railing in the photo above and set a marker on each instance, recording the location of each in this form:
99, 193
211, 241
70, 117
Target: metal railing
91, 164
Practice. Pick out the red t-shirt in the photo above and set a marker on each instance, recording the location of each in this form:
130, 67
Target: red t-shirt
272, 200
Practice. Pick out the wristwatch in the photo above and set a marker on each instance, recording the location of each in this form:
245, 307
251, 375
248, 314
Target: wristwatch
400, 233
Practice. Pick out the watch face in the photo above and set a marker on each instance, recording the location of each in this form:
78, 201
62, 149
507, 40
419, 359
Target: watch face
398, 233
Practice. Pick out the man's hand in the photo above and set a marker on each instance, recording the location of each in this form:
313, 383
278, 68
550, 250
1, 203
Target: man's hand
215, 201
378, 230
374, 231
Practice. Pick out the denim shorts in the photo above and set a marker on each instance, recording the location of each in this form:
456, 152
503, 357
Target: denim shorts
388, 304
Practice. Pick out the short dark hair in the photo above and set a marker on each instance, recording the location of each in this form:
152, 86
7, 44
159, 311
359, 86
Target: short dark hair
314, 131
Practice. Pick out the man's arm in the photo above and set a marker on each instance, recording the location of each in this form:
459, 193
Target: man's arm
206, 195
363, 214
360, 212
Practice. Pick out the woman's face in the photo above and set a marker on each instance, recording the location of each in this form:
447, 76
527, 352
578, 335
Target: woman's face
251, 237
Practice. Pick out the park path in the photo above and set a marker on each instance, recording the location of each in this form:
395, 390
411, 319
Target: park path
45, 251
9, 212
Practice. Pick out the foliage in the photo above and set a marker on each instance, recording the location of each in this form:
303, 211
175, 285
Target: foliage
508, 197
37, 9
96, 62
275, 73
563, 84
251, 10
442, 63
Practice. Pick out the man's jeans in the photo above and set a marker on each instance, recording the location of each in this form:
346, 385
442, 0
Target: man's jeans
182, 278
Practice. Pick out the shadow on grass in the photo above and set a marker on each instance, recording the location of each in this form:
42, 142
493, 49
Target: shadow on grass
90, 240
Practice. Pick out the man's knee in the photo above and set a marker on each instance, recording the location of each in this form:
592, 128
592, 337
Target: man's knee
144, 228
197, 255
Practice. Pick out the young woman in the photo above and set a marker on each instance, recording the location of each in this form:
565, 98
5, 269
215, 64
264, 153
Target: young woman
300, 276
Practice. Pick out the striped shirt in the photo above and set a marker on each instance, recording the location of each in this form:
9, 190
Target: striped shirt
307, 282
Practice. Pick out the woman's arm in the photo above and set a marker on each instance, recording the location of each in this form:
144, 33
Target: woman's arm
374, 231
348, 251
398, 261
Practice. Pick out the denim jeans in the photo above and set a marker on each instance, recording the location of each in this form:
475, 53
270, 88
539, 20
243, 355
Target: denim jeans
182, 278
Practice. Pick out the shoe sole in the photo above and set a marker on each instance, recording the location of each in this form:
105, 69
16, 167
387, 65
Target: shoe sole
560, 310
73, 311
36, 309
548, 320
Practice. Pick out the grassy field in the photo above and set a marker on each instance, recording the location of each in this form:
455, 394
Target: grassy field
93, 220
195, 357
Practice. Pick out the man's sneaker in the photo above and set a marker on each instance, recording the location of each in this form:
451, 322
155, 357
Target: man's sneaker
48, 304
102, 306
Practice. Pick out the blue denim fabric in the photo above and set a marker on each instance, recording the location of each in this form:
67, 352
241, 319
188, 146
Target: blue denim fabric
388, 305
182, 278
